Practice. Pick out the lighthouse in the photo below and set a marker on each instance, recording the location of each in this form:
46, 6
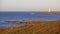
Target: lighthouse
49, 10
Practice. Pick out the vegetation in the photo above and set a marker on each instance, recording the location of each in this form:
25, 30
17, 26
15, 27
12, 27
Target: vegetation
49, 27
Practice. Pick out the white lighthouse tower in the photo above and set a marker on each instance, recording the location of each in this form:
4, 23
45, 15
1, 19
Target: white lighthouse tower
49, 10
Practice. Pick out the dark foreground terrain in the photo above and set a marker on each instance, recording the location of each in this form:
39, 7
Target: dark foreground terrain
41, 27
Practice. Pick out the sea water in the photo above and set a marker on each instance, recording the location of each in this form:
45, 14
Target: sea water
19, 16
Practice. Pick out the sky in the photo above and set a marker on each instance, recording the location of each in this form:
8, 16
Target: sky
29, 5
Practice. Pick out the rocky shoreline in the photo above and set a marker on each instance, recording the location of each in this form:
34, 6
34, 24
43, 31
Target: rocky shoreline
27, 22
50, 12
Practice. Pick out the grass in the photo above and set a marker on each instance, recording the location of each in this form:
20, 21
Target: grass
38, 27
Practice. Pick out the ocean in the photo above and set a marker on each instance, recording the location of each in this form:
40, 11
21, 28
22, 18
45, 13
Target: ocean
19, 16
